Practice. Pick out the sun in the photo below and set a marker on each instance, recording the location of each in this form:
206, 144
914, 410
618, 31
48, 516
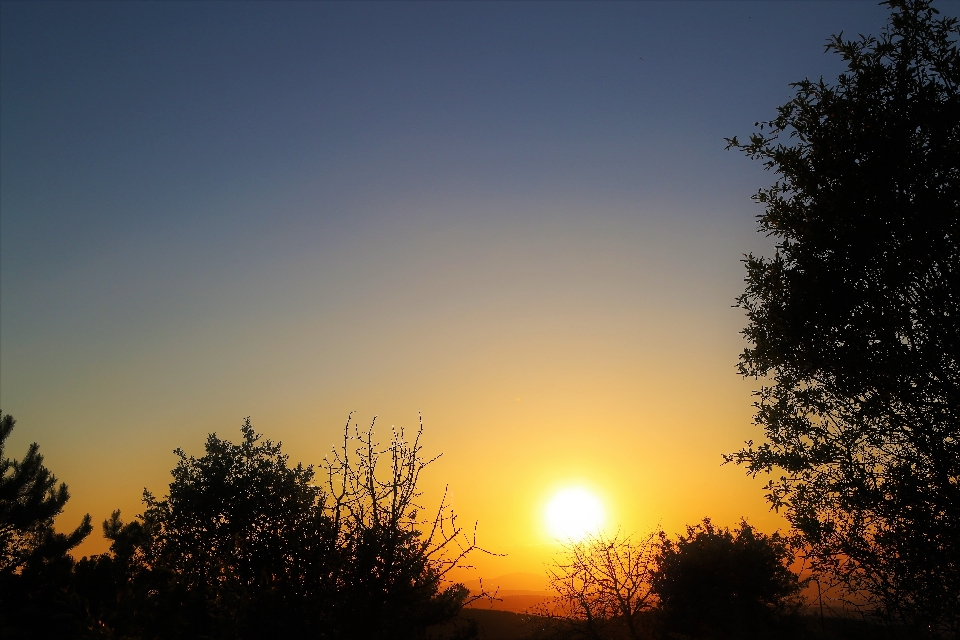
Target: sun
573, 514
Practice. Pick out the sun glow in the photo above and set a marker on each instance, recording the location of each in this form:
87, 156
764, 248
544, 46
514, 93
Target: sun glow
573, 514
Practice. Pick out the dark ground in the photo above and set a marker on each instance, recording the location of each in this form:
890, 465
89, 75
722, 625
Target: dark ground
507, 625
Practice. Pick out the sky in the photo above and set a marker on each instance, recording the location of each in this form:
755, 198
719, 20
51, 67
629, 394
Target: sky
516, 219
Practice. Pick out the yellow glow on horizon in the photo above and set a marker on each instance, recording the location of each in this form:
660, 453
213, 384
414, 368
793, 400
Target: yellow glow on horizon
574, 513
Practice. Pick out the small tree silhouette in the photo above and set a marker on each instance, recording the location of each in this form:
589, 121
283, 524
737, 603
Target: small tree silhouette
601, 586
397, 559
30, 500
717, 583
35, 565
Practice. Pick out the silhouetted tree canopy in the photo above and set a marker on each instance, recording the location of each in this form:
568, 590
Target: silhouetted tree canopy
246, 537
35, 568
244, 545
717, 583
853, 323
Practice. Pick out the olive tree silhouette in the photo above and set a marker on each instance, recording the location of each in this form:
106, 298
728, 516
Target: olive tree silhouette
602, 589
716, 583
35, 567
245, 536
853, 322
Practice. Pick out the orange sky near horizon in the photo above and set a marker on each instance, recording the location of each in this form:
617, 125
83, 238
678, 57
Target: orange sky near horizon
614, 374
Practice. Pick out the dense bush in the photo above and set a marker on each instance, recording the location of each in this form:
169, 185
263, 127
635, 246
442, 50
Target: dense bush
716, 583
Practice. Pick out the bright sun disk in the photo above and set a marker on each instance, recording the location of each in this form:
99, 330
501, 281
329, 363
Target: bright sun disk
573, 514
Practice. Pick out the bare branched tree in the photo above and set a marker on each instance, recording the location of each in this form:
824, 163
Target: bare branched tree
602, 587
376, 509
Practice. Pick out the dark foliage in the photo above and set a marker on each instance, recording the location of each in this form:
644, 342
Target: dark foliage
246, 546
246, 537
29, 502
36, 600
711, 583
717, 583
128, 594
854, 321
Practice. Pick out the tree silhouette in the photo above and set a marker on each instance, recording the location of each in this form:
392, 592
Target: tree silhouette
35, 568
246, 546
854, 320
394, 582
602, 589
131, 593
716, 583
246, 537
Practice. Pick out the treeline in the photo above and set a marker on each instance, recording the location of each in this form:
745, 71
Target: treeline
710, 582
243, 546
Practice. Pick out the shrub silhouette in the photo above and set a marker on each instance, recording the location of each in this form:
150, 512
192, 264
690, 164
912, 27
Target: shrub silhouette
716, 583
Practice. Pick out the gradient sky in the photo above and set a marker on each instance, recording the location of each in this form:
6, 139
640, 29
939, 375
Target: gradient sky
518, 219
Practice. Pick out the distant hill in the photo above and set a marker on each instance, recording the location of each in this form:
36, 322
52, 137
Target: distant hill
516, 592
492, 625
527, 582
522, 603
